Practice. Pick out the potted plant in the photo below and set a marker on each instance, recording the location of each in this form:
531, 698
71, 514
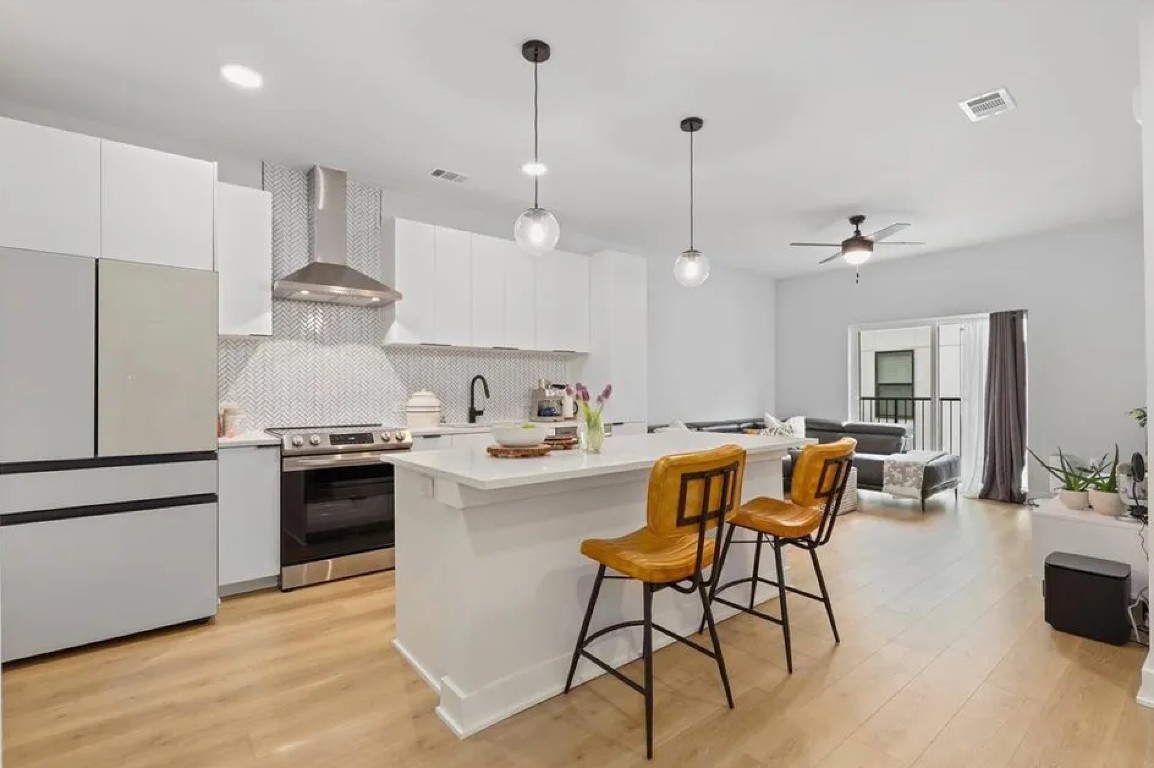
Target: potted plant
592, 428
1074, 492
1103, 489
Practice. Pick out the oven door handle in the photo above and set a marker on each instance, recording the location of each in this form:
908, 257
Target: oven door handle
304, 463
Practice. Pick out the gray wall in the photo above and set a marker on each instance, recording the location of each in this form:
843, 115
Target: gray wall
1081, 287
711, 350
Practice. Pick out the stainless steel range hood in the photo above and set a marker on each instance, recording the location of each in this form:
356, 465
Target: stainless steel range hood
328, 278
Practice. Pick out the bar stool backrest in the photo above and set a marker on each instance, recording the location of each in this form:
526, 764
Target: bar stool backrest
691, 492
819, 479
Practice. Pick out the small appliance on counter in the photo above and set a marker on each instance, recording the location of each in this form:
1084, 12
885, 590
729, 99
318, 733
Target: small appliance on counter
423, 410
551, 403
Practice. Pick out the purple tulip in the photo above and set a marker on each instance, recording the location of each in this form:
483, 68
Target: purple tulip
569, 391
605, 393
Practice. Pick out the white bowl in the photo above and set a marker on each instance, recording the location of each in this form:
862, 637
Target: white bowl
519, 434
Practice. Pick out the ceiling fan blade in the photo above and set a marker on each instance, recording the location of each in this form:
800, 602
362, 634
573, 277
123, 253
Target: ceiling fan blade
901, 242
820, 245
885, 232
831, 258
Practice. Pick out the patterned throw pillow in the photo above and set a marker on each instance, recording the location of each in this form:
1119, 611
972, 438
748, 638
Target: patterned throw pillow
775, 427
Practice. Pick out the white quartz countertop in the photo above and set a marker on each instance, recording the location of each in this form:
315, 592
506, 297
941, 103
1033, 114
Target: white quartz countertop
246, 440
475, 468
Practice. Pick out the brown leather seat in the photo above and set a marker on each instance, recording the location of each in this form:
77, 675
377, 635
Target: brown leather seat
665, 550
646, 556
778, 517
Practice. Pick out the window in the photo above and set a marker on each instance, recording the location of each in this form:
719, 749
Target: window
894, 378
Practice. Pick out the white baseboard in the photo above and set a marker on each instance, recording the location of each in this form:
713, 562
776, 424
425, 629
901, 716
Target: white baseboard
420, 668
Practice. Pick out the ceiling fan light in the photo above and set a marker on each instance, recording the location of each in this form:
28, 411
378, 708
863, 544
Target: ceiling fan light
691, 268
857, 254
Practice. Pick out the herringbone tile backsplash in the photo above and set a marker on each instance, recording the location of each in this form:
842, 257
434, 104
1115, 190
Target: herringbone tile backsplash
324, 364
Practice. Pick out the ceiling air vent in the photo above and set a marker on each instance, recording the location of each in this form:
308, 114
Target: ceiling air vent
988, 105
444, 175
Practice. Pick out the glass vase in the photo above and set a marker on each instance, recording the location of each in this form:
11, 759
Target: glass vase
592, 436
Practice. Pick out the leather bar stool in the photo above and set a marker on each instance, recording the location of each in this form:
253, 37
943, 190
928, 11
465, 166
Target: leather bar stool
691, 497
805, 521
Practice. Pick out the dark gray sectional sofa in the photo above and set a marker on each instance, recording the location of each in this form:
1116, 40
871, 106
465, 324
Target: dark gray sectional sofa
874, 443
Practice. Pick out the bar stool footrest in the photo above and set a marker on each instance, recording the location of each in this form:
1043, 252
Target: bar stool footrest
751, 611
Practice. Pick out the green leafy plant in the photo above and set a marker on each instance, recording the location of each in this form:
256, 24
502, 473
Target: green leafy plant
1139, 415
1104, 481
1072, 477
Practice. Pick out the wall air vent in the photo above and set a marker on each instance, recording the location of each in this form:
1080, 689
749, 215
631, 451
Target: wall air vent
444, 175
988, 105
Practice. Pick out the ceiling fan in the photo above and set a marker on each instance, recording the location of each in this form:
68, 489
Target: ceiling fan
857, 248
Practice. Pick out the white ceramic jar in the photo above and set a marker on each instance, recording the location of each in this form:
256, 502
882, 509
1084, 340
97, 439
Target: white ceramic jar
423, 410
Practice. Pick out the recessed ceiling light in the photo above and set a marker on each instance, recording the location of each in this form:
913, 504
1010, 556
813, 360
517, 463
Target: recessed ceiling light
534, 169
242, 76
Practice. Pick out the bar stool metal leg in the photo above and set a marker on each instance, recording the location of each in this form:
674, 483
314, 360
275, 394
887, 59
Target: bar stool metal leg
781, 592
647, 653
705, 604
756, 570
824, 594
585, 627
718, 569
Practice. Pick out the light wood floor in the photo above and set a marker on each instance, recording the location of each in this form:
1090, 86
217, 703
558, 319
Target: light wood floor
945, 661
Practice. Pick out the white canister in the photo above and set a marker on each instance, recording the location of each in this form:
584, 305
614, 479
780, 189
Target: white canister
423, 410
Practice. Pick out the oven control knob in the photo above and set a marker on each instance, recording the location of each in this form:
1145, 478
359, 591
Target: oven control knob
298, 441
386, 437
402, 437
314, 439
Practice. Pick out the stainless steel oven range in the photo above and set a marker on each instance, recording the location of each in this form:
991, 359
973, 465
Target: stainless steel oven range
337, 501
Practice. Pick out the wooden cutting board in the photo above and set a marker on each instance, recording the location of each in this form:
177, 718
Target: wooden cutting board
527, 452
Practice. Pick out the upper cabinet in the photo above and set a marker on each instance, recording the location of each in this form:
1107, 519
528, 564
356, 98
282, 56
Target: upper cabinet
562, 302
453, 305
155, 207
244, 260
490, 255
53, 178
468, 290
407, 264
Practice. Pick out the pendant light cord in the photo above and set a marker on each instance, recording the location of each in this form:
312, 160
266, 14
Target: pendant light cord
691, 190
536, 161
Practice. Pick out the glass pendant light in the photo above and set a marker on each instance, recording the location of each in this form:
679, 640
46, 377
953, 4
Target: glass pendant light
536, 230
692, 267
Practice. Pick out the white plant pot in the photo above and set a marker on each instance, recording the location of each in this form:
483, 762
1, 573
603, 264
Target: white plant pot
1106, 503
1074, 499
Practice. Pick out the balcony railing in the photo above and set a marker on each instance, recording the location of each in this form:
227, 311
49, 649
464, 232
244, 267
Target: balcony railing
917, 414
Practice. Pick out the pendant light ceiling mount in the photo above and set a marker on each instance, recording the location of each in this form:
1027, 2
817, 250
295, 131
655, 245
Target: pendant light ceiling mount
536, 51
536, 230
692, 267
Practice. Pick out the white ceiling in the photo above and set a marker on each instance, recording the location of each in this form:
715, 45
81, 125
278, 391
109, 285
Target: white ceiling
814, 110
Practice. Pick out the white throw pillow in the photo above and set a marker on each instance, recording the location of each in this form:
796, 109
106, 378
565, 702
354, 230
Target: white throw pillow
794, 427
674, 426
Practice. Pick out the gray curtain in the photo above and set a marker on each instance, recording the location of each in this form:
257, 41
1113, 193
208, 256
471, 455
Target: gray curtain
1005, 408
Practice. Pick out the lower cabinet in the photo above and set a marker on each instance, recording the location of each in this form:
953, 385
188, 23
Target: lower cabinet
249, 534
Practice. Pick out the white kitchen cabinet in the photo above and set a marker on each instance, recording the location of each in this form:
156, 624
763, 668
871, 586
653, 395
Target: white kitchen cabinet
488, 271
453, 301
155, 207
244, 260
619, 337
562, 302
249, 504
51, 182
520, 305
408, 264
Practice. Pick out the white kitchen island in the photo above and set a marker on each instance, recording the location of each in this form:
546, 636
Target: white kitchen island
491, 586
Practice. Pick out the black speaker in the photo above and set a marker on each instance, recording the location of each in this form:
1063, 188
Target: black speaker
1088, 597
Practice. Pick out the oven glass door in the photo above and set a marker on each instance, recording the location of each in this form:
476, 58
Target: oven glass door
329, 511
